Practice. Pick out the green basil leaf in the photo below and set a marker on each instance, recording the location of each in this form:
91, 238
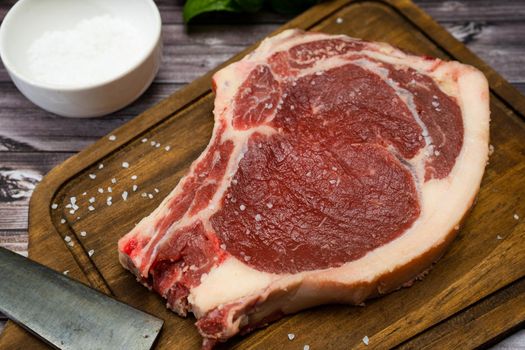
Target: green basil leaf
193, 8
291, 6
250, 5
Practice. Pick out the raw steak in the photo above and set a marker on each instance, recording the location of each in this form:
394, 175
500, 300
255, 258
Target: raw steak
338, 170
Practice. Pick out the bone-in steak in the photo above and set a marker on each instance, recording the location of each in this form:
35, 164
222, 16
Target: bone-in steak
338, 170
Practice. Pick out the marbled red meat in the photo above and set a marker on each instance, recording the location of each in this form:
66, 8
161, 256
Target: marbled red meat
338, 169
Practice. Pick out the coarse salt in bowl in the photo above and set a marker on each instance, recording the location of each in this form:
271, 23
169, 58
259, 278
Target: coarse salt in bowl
82, 58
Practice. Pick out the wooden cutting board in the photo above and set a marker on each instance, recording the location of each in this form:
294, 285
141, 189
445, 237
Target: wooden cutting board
474, 295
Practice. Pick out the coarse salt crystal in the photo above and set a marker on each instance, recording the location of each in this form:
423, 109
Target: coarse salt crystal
100, 190
516, 217
92, 176
491, 150
269, 205
242, 207
71, 244
84, 193
62, 221
100, 166
66, 272
150, 196
133, 177
366, 340
157, 145
110, 189
125, 165
144, 140
339, 20
112, 137
499, 237
72, 211
54, 206
156, 190
223, 246
91, 208
258, 217
83, 233
92, 200
91, 252
152, 143
306, 347
167, 148
291, 336
125, 195
144, 194
135, 188
67, 239
113, 181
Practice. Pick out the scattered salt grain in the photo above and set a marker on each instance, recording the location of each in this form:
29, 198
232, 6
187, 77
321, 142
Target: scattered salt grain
84, 193
66, 272
223, 246
62, 221
156, 190
150, 196
54, 206
339, 20
167, 148
242, 207
71, 244
135, 188
113, 181
306, 347
144, 194
71, 211
110, 189
91, 252
491, 150
67, 239
83, 233
152, 143
91, 208
516, 217
157, 145
92, 200
269, 205
308, 174
100, 190
144, 140
133, 177
125, 195
366, 340
258, 217
101, 166
112, 137
291, 336
92, 176
499, 237
125, 165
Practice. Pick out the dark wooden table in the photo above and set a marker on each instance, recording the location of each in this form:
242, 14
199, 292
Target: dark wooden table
33, 141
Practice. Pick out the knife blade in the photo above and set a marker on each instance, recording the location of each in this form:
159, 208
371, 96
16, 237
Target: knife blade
67, 314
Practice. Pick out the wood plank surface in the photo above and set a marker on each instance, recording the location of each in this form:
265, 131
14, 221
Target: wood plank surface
33, 141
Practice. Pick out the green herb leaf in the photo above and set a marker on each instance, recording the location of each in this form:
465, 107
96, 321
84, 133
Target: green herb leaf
250, 5
193, 8
291, 6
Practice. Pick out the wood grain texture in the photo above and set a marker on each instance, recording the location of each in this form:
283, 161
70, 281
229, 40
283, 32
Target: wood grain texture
33, 141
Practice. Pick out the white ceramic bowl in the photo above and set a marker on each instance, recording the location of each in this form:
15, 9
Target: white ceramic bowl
28, 19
